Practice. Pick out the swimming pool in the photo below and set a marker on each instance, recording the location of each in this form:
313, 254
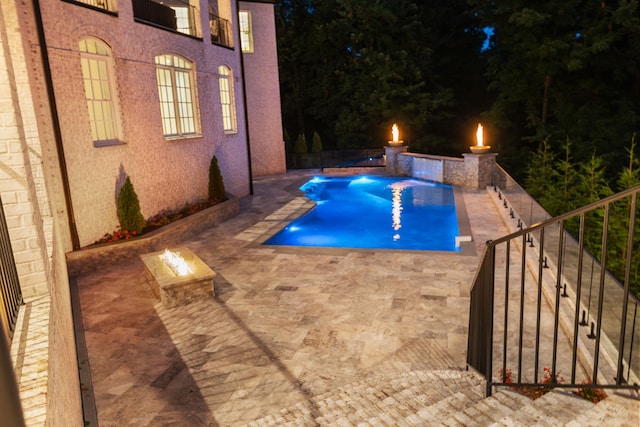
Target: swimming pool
371, 212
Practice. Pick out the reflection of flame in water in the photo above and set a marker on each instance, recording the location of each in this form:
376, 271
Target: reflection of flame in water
396, 206
175, 262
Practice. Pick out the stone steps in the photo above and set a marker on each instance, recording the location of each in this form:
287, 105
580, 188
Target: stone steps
451, 398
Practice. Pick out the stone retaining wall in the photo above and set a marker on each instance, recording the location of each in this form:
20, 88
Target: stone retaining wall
474, 171
88, 259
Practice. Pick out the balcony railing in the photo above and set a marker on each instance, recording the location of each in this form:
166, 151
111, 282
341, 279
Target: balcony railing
220, 31
106, 5
543, 306
173, 15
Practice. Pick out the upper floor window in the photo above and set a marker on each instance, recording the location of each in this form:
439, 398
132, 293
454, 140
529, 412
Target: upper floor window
103, 5
176, 91
227, 99
246, 32
99, 88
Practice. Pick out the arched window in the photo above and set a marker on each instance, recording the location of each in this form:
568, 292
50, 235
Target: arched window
177, 95
99, 88
227, 99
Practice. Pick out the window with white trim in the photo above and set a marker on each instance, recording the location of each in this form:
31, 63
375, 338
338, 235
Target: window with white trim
246, 32
227, 99
177, 96
99, 88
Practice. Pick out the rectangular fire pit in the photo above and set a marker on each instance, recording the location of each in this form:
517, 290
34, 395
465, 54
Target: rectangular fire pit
178, 276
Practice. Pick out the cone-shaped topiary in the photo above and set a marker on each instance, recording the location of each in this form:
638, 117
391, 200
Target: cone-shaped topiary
301, 145
287, 141
316, 144
129, 214
217, 192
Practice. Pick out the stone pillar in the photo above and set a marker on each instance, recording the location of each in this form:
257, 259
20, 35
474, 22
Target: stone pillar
391, 155
479, 169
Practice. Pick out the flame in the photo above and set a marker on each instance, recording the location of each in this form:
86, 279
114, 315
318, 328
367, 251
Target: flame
176, 263
479, 135
395, 132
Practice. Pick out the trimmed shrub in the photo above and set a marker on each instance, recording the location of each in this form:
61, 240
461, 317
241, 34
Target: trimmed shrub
129, 214
217, 192
316, 144
287, 141
301, 145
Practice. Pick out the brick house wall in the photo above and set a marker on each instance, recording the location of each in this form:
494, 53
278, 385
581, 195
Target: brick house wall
263, 92
166, 173
32, 196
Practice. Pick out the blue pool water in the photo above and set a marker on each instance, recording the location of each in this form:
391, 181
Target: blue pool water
375, 213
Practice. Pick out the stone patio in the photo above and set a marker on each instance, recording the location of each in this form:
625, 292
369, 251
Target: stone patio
286, 323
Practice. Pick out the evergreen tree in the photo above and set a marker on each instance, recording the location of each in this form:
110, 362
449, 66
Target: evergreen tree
565, 68
129, 214
316, 144
542, 179
619, 225
217, 192
301, 145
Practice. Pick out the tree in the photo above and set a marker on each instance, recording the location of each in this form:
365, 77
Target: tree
316, 144
129, 214
565, 69
353, 67
301, 145
217, 192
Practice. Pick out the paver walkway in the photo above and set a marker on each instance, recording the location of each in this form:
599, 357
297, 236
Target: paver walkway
286, 324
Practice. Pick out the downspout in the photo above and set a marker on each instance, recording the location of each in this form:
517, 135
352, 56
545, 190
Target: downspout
244, 98
75, 241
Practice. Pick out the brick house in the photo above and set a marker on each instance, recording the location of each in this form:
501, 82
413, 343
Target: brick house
93, 91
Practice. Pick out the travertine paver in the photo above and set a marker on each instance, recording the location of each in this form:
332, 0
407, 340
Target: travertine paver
288, 326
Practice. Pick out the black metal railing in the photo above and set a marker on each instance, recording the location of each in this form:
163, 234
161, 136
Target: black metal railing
336, 159
174, 15
543, 307
106, 5
220, 29
10, 292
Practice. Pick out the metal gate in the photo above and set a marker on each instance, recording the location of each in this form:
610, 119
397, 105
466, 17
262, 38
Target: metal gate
10, 292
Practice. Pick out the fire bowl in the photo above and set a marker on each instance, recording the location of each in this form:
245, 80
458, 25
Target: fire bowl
480, 149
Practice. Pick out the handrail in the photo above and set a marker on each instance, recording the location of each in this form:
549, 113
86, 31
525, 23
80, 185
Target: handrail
555, 298
562, 217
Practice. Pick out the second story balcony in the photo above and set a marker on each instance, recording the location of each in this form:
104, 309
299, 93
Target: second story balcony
220, 28
173, 15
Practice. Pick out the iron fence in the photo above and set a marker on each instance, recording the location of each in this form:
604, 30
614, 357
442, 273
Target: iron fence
10, 292
336, 159
543, 306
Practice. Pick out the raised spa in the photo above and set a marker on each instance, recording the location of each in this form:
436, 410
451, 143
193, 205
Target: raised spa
375, 213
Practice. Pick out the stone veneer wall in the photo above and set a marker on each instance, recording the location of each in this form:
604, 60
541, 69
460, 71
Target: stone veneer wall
263, 93
166, 172
32, 196
474, 171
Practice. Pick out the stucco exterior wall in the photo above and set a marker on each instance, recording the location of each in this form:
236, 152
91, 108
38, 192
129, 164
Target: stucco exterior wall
166, 173
263, 93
